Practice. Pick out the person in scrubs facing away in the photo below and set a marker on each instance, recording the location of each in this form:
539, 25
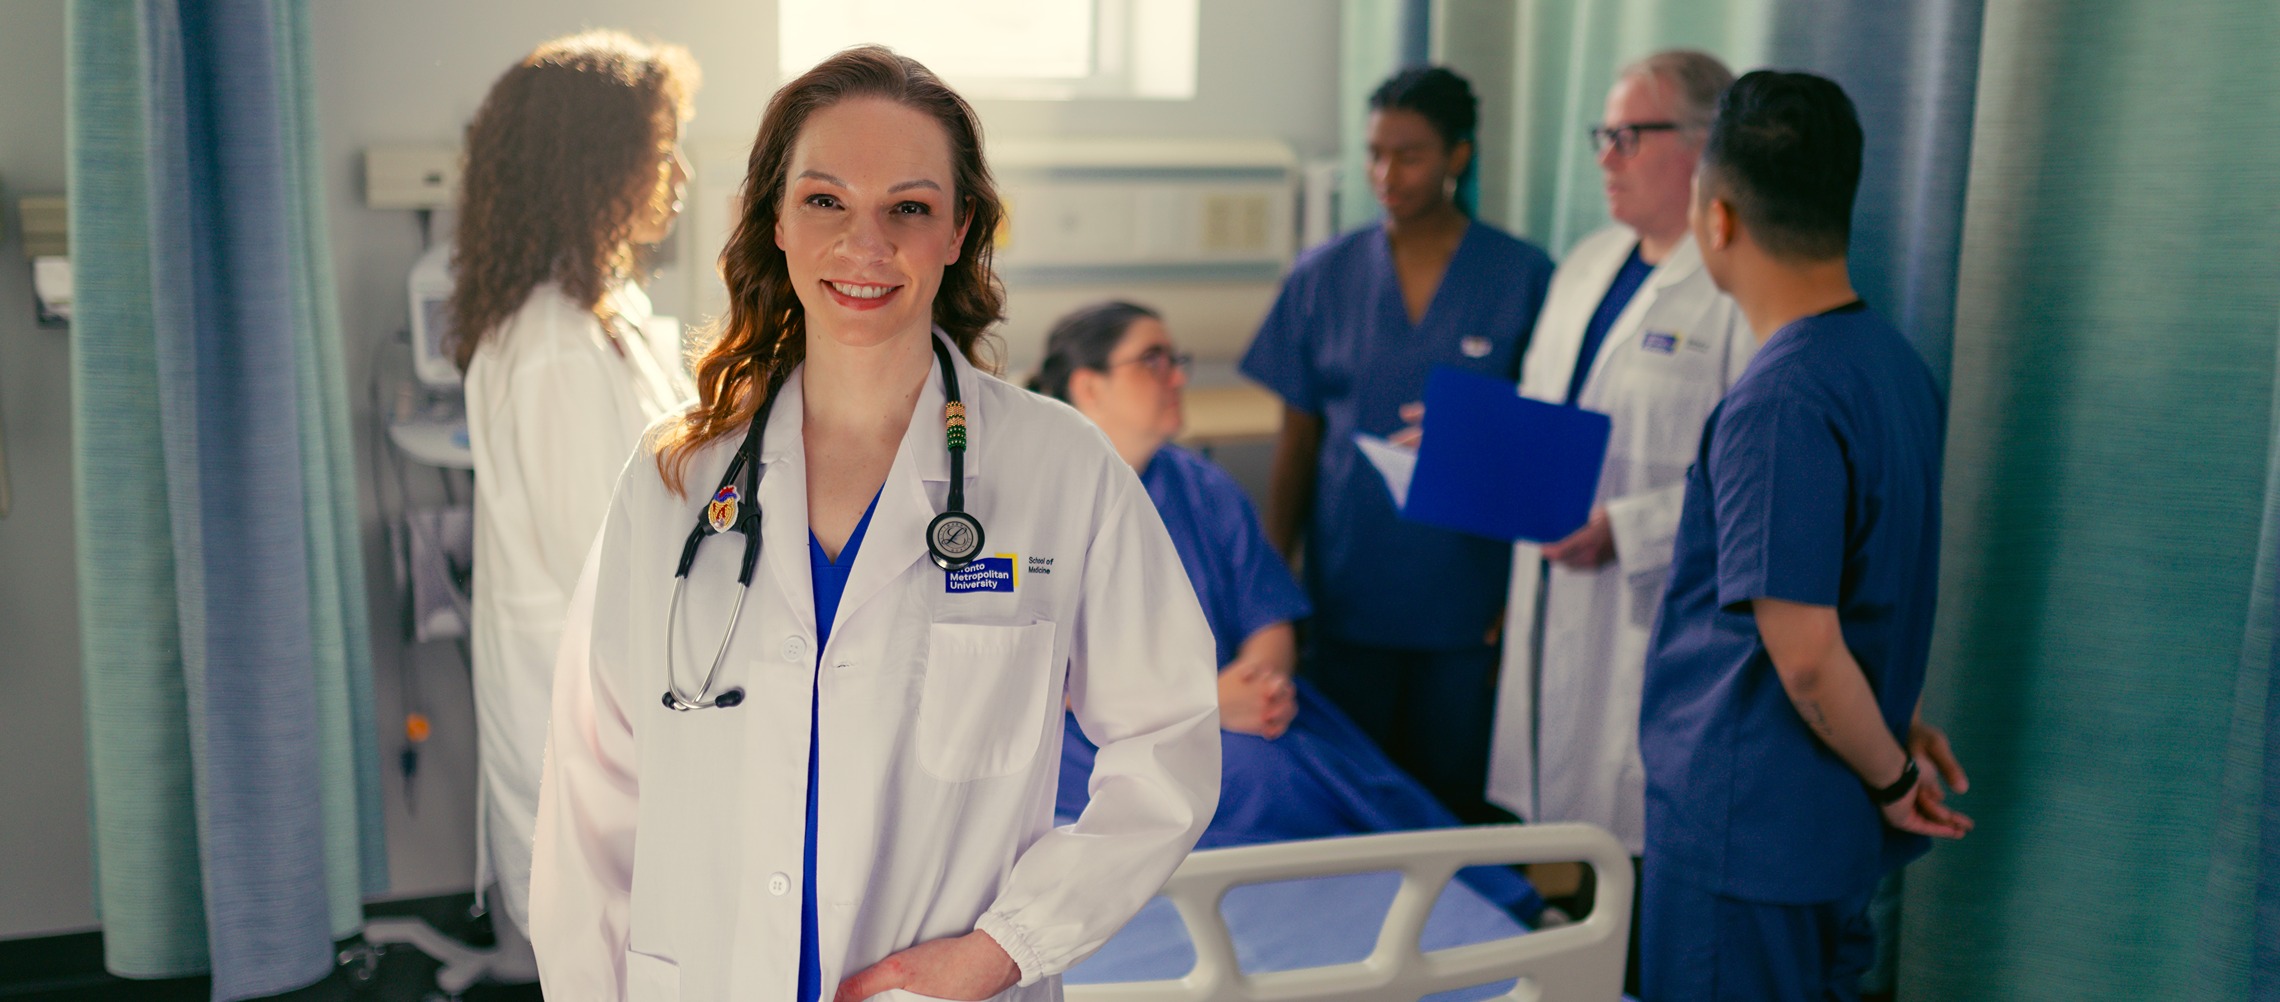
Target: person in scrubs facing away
1634, 329
1293, 766
1787, 763
1406, 616
574, 166
853, 797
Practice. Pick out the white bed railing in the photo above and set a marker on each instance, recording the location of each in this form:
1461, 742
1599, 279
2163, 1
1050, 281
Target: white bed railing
1578, 962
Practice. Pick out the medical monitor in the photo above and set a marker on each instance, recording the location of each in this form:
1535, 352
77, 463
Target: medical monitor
432, 340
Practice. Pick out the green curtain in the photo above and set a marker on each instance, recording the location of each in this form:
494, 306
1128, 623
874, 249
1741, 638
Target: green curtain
232, 751
2108, 456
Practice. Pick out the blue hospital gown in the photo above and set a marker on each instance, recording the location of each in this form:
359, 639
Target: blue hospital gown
1323, 777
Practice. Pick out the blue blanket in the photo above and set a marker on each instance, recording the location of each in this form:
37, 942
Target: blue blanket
1322, 778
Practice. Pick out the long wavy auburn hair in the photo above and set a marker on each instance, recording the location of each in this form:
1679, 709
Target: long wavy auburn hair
764, 336
563, 158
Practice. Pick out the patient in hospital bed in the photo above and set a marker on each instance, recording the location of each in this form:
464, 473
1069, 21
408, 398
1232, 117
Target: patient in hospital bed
1295, 767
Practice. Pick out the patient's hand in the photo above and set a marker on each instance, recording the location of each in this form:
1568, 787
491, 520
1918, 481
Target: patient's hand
1256, 699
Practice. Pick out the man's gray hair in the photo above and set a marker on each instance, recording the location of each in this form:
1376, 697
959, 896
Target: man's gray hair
1696, 78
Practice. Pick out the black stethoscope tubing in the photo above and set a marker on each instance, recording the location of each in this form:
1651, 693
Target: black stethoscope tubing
953, 538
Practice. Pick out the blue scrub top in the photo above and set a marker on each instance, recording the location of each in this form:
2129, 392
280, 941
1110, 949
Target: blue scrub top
1240, 580
1338, 344
1619, 292
829, 581
1818, 482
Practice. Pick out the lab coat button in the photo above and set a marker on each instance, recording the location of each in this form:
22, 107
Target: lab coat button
779, 885
795, 648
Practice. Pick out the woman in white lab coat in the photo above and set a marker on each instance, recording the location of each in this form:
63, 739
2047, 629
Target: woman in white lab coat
573, 165
845, 789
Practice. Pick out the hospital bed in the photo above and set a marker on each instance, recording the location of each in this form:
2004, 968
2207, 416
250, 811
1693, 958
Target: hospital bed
1370, 917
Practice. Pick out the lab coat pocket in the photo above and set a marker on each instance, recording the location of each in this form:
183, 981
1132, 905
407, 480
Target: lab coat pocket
651, 979
983, 708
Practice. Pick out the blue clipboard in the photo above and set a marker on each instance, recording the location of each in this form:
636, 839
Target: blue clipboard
1497, 464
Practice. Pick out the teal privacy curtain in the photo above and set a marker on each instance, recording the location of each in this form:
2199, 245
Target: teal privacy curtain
2109, 460
236, 811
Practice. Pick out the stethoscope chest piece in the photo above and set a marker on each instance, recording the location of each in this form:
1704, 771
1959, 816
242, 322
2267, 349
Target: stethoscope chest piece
953, 539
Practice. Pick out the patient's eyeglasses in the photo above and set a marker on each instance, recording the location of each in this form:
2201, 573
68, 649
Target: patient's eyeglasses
1625, 138
1159, 361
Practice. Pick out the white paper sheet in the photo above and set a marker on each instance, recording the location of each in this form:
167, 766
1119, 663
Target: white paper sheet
1396, 463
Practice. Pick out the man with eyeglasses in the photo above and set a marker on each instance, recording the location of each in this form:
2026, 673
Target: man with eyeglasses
1632, 328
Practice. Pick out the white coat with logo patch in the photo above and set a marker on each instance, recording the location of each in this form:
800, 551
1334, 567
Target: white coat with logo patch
669, 847
1566, 744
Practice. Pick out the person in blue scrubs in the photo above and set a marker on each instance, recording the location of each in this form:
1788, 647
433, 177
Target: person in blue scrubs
1780, 723
1294, 767
1406, 616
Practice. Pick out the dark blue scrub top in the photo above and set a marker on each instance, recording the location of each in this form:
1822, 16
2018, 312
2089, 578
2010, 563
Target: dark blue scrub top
1619, 292
1241, 581
1338, 344
829, 580
1818, 482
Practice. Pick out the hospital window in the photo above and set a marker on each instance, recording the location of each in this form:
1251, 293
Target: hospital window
1047, 50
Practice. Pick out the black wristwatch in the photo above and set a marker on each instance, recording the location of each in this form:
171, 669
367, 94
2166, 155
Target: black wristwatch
1887, 796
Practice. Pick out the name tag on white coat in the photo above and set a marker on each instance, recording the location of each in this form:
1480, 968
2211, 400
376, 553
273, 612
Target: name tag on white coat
1000, 573
1670, 342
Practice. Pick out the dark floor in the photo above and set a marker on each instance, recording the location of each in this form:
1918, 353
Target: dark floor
70, 968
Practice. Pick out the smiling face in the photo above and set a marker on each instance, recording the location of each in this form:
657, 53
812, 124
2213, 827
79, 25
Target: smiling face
869, 221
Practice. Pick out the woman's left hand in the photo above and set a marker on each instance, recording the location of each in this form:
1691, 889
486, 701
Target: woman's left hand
968, 968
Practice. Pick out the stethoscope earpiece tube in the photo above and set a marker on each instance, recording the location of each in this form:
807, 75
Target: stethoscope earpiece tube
954, 538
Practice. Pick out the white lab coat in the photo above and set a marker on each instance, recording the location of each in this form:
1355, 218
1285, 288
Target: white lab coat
552, 412
669, 843
1566, 744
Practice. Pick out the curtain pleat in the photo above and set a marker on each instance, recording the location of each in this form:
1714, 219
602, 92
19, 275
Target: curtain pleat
2264, 932
237, 421
143, 811
355, 819
1912, 71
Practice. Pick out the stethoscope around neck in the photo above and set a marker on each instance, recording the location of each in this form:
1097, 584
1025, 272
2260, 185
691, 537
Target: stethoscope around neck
952, 538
